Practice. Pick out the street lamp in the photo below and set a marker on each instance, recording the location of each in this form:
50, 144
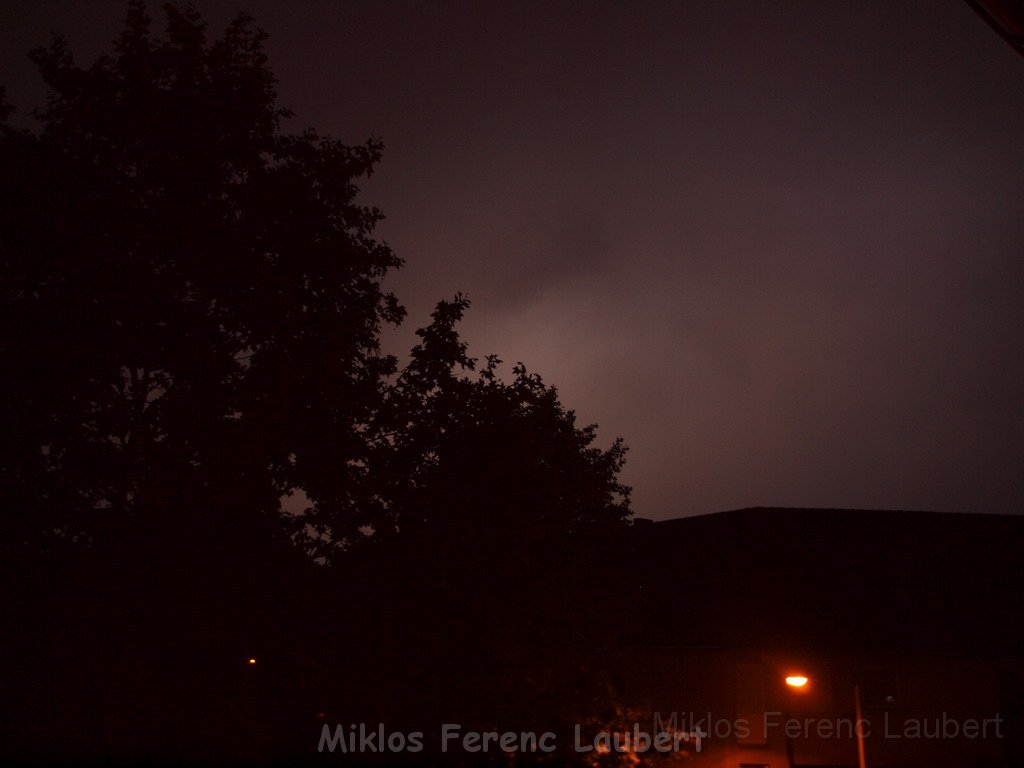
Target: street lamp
800, 681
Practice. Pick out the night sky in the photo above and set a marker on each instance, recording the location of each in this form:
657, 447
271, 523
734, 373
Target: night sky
776, 246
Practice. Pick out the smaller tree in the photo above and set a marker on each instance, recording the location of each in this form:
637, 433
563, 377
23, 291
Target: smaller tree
489, 586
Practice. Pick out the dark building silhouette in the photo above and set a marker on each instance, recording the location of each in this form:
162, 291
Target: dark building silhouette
919, 611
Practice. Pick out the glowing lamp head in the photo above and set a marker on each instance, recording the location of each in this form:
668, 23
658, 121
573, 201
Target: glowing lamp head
796, 681
251, 662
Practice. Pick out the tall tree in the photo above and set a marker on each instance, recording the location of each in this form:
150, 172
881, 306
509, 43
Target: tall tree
190, 301
191, 296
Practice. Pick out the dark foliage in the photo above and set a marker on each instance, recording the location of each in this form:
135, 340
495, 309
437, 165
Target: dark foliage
191, 297
191, 306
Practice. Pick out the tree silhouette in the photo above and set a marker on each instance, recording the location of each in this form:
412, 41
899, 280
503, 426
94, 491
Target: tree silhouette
192, 297
191, 300
498, 561
190, 311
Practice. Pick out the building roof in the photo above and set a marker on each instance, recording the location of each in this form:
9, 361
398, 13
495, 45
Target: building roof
839, 580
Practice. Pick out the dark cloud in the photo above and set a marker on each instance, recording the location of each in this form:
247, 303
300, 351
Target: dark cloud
777, 246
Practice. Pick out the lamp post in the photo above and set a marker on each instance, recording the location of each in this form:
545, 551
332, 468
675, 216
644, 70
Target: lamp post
859, 727
800, 681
